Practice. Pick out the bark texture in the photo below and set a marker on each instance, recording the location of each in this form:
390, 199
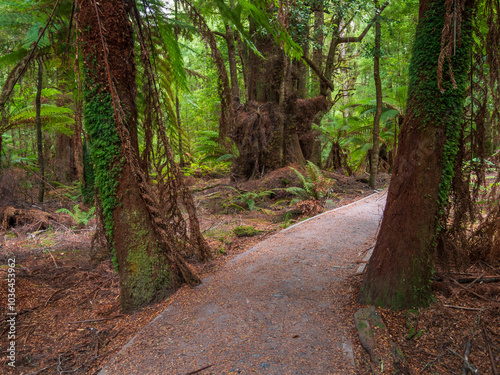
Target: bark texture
39, 135
378, 113
148, 269
400, 270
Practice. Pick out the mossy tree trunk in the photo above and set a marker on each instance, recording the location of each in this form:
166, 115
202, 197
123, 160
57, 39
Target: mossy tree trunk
399, 272
274, 127
145, 271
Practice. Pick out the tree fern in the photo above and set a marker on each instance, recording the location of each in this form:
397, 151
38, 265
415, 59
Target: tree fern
314, 184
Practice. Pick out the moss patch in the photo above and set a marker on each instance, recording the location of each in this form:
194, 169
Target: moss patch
246, 231
149, 275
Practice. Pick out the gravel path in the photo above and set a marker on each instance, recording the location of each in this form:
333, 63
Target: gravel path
275, 309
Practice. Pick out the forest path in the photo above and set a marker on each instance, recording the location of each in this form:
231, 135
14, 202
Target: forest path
275, 309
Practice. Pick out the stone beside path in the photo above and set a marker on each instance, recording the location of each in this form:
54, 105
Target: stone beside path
275, 309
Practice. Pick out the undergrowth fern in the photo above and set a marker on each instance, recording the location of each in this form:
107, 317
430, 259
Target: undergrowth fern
314, 184
80, 217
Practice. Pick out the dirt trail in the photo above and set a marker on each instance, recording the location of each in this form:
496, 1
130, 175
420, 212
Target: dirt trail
275, 309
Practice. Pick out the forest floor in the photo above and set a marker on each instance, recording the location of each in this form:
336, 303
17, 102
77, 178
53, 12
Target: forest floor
69, 319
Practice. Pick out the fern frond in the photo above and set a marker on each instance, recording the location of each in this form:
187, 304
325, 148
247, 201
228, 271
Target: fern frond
299, 175
298, 191
12, 58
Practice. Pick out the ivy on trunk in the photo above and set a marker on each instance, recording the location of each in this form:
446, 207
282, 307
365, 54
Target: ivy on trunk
400, 270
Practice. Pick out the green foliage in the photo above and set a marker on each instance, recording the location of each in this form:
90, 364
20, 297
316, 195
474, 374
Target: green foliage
80, 217
247, 200
314, 185
208, 147
104, 149
444, 109
246, 231
88, 185
54, 118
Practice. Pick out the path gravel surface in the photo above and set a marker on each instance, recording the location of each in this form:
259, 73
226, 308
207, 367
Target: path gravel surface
275, 309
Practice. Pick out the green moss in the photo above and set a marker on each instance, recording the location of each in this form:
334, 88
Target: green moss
105, 146
246, 231
149, 274
444, 110
88, 186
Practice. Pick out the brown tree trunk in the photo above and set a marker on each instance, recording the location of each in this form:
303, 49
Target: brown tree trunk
77, 137
233, 73
64, 162
145, 264
399, 272
378, 94
317, 55
243, 55
39, 138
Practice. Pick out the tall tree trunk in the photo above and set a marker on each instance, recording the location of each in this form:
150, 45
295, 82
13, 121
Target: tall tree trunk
39, 138
243, 55
64, 160
233, 73
319, 38
145, 263
378, 94
182, 162
1, 151
77, 137
399, 272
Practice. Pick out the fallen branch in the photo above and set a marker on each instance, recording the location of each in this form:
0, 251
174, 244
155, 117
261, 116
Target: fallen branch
433, 360
96, 320
465, 366
490, 353
199, 370
465, 308
469, 365
471, 280
475, 280
43, 369
52, 295
470, 291
54, 259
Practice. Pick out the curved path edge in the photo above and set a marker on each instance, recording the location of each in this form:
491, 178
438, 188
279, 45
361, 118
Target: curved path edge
274, 309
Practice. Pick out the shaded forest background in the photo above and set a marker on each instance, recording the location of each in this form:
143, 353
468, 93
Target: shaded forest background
118, 106
116, 114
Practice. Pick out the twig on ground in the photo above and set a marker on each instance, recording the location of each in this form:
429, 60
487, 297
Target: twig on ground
54, 259
29, 333
199, 370
465, 308
470, 291
96, 320
42, 369
113, 337
465, 366
469, 365
52, 295
490, 353
214, 225
432, 361
472, 280
475, 280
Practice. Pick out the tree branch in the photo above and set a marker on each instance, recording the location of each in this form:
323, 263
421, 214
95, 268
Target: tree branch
340, 40
220, 34
318, 72
359, 38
